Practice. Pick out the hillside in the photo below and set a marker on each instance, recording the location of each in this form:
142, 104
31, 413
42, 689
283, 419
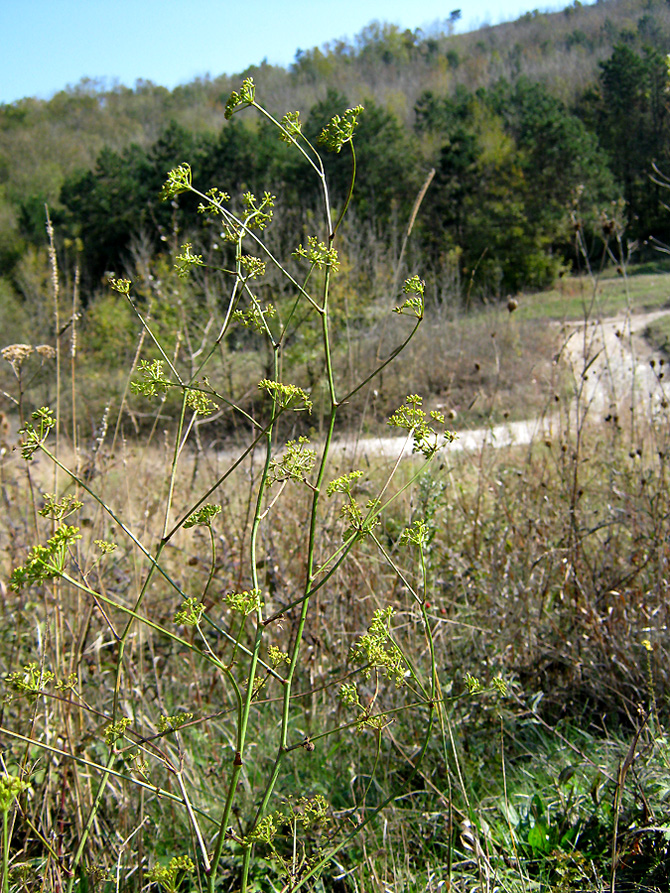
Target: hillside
334, 556
534, 129
345, 672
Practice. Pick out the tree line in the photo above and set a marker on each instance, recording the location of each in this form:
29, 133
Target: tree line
518, 169
515, 172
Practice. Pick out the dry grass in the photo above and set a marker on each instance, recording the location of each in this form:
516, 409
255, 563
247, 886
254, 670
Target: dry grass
547, 566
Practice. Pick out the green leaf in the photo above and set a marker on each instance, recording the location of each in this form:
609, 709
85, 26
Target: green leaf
538, 838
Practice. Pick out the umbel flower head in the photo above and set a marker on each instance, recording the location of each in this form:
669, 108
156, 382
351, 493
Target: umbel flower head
241, 99
340, 129
17, 354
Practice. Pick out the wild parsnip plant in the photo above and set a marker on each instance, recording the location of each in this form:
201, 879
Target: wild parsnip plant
93, 723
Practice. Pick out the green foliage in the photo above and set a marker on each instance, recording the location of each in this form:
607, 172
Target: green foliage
30, 682
108, 337
186, 260
413, 305
45, 562
340, 129
511, 161
96, 154
507, 160
170, 875
296, 463
386, 175
318, 254
245, 602
204, 516
502, 592
286, 396
411, 417
121, 198
631, 117
35, 436
11, 243
376, 650
108, 204
11, 788
153, 380
190, 612
13, 313
244, 98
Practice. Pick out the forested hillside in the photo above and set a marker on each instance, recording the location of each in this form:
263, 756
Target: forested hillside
534, 128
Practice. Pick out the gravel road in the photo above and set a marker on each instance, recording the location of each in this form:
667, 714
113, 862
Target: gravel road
611, 366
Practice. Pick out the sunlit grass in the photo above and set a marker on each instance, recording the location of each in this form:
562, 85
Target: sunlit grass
575, 297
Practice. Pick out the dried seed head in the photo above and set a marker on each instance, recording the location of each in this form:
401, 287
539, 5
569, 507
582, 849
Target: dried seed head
16, 355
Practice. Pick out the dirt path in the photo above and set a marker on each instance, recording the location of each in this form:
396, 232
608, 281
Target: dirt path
611, 365
610, 361
617, 371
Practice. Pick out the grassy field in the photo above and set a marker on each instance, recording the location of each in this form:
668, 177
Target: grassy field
541, 575
237, 657
579, 297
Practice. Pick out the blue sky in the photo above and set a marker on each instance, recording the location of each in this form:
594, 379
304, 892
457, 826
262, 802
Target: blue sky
49, 44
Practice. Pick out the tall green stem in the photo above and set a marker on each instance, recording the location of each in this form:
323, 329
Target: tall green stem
245, 710
5, 851
311, 547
